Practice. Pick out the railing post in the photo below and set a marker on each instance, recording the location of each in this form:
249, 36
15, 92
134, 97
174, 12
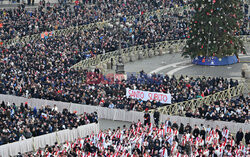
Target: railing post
33, 144
229, 92
57, 139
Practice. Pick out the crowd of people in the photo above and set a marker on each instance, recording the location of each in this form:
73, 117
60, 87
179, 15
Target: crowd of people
41, 68
167, 139
23, 122
236, 110
181, 89
47, 76
82, 44
22, 22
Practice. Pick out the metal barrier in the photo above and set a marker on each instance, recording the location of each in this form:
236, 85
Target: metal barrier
174, 109
118, 114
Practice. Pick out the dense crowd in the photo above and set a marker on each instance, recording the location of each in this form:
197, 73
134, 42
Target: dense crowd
228, 110
47, 76
82, 44
41, 68
21, 22
23, 122
181, 89
169, 139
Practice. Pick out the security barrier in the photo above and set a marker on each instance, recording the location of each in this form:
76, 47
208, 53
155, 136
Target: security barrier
120, 115
174, 109
35, 143
135, 52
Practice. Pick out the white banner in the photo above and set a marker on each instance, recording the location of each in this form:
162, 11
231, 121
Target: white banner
146, 95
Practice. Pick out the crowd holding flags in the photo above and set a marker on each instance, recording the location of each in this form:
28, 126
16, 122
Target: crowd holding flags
46, 35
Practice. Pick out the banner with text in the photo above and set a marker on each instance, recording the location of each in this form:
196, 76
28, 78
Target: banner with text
146, 95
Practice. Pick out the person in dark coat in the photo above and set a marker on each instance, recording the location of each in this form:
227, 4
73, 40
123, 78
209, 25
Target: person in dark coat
203, 133
181, 130
239, 136
146, 118
247, 137
188, 128
196, 131
156, 117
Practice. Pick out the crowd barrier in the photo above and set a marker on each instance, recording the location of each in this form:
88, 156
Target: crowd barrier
196, 103
120, 115
133, 53
35, 143
136, 52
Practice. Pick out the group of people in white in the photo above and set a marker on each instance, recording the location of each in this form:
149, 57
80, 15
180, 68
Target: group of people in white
152, 141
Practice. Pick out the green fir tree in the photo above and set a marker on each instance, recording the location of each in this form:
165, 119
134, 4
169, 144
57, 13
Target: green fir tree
214, 29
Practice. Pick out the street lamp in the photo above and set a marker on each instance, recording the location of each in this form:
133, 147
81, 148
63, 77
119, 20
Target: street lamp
119, 65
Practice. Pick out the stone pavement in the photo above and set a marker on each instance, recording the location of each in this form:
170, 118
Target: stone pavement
176, 64
150, 64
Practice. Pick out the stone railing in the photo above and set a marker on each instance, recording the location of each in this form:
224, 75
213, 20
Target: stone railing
132, 54
175, 109
103, 61
69, 30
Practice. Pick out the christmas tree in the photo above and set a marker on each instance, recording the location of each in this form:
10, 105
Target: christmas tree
214, 29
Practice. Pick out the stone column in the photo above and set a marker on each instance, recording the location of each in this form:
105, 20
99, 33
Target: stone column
246, 74
109, 65
140, 55
160, 51
248, 78
150, 53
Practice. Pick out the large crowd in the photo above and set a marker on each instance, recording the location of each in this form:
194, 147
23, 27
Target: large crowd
236, 110
168, 139
41, 68
47, 74
82, 44
38, 76
23, 122
21, 22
